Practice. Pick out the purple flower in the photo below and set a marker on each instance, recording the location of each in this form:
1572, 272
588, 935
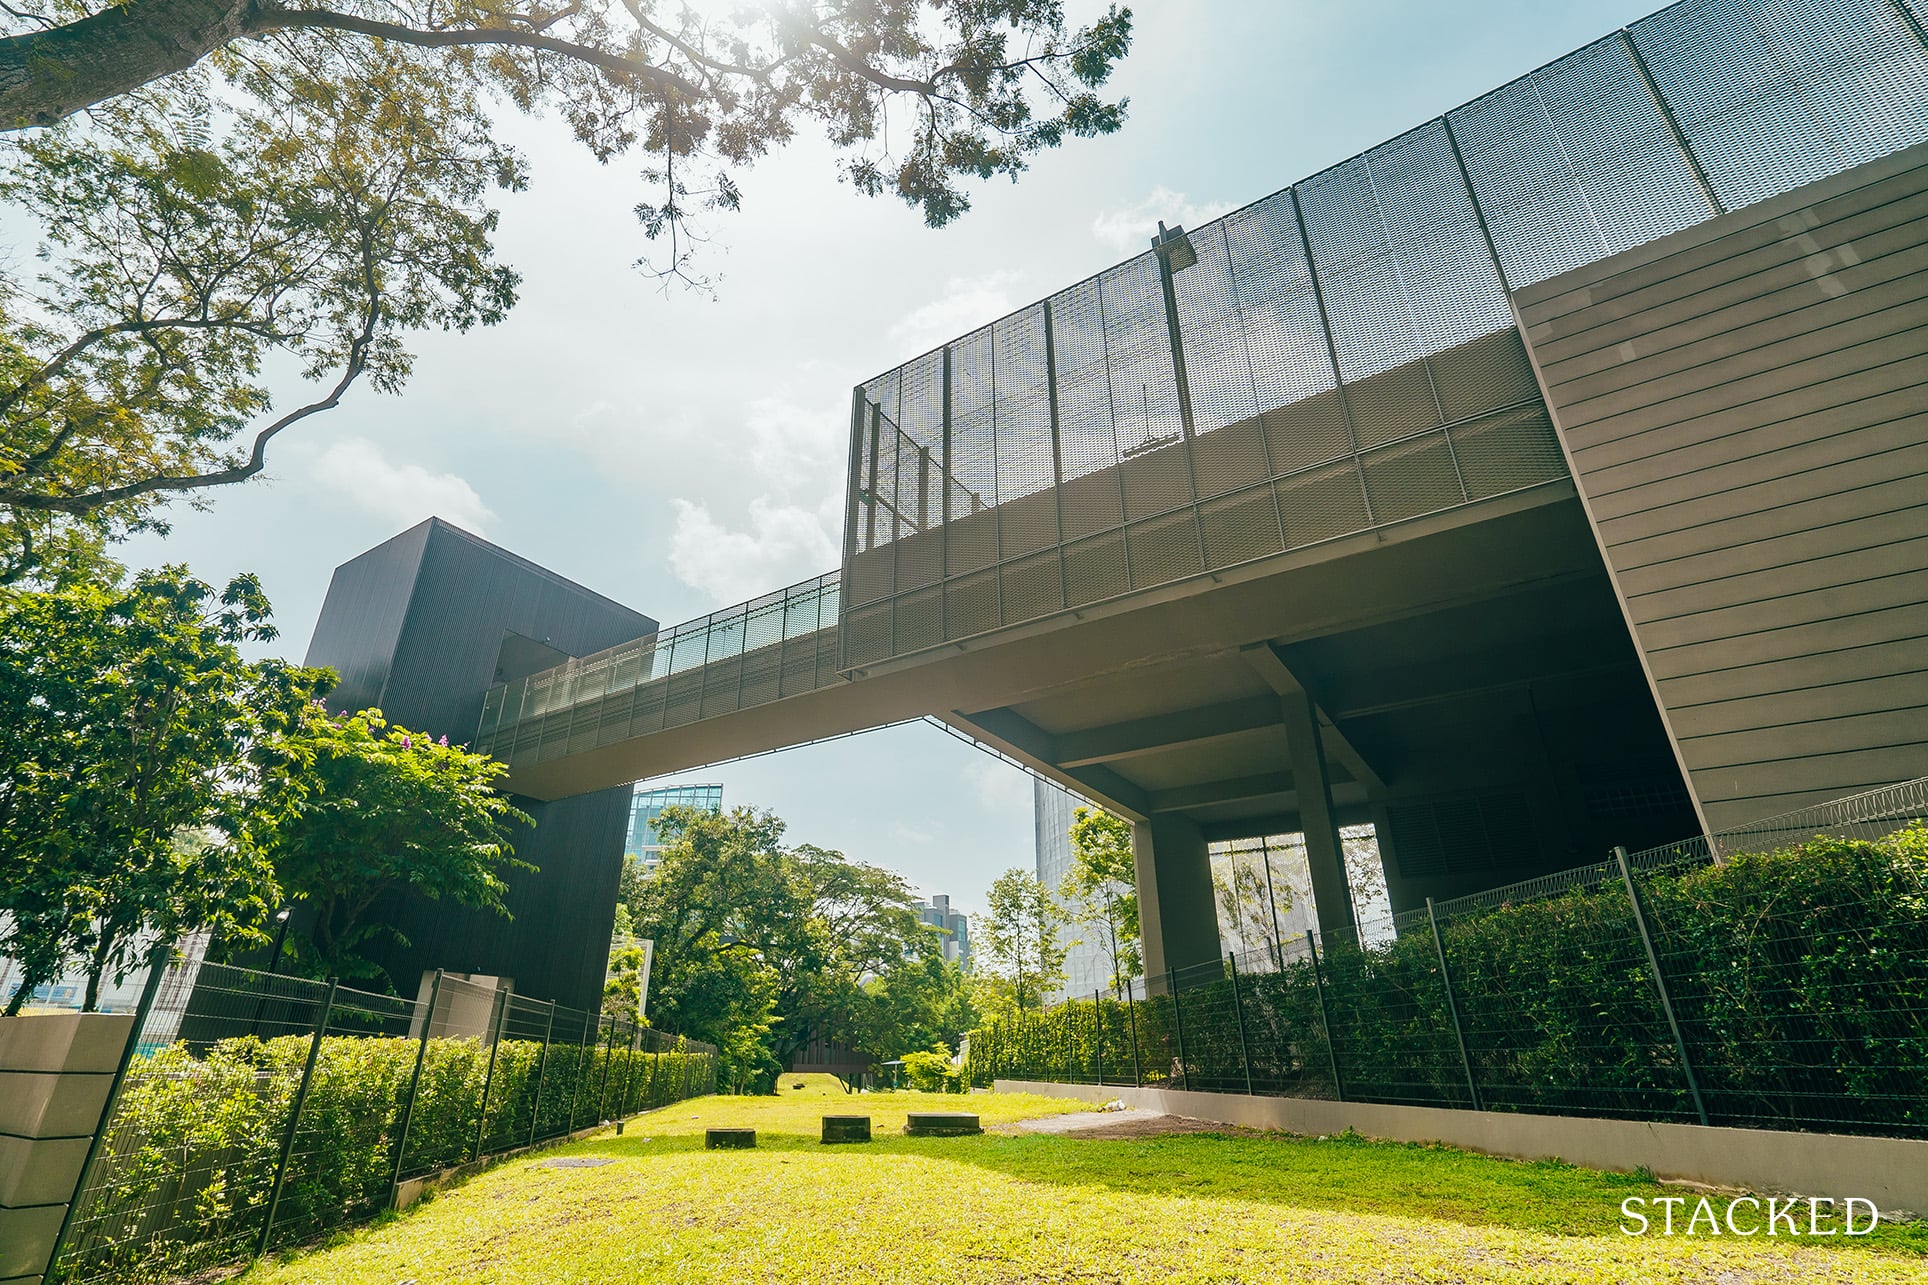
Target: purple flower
407, 744
444, 741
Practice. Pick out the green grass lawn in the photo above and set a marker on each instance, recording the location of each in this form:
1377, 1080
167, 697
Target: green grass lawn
1218, 1208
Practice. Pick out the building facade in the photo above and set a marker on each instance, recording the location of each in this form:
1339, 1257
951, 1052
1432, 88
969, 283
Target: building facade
955, 925
1087, 965
646, 805
420, 627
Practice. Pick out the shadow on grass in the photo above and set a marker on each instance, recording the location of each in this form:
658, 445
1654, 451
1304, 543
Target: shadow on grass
1341, 1175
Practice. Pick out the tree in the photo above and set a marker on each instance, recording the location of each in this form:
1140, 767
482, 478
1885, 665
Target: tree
1102, 884
221, 181
623, 991
718, 895
190, 240
772, 947
130, 734
1019, 938
356, 810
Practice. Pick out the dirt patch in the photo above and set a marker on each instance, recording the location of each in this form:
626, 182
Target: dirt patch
1109, 1125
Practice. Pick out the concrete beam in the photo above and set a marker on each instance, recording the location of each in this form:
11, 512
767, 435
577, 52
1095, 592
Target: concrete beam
1013, 734
1185, 797
1265, 660
1163, 732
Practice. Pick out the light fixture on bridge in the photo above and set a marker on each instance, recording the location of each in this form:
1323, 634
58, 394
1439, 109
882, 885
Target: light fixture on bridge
1174, 247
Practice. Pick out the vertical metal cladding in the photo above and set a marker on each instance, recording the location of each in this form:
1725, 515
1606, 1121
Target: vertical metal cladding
1347, 349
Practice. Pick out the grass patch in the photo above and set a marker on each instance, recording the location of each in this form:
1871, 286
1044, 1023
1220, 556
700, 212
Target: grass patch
1198, 1208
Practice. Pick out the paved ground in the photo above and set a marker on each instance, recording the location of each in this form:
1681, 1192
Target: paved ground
1130, 1123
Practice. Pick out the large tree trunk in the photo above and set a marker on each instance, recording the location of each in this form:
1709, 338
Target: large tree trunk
46, 76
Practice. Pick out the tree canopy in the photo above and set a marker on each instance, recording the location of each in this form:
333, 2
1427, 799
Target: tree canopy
229, 190
356, 810
1019, 944
132, 734
1102, 887
761, 949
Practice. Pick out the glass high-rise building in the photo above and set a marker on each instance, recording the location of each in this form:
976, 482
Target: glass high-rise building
645, 806
954, 924
1086, 964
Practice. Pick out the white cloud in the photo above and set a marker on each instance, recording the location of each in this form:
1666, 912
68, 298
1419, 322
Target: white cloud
1130, 229
967, 303
999, 786
358, 470
782, 544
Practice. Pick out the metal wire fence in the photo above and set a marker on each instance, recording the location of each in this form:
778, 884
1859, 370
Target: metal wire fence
1340, 355
1784, 985
259, 1111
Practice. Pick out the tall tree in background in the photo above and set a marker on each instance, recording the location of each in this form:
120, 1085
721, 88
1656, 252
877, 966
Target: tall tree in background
130, 738
760, 949
1019, 942
718, 894
356, 810
1102, 886
222, 185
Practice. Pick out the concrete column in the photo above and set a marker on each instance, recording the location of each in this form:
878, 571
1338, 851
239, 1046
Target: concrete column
1313, 784
1176, 912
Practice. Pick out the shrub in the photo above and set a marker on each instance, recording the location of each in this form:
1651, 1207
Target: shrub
1799, 978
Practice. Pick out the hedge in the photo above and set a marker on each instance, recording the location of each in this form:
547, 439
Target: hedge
183, 1181
1799, 979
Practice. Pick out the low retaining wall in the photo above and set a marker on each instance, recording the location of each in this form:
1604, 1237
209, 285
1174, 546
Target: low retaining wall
55, 1073
1892, 1172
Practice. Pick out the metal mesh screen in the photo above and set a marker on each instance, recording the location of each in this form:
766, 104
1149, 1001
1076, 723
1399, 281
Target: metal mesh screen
1340, 355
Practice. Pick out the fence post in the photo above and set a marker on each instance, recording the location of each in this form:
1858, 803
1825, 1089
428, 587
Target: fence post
1098, 1027
1131, 1015
629, 1073
1660, 982
1452, 1009
575, 1088
414, 1087
1070, 1033
1178, 1025
542, 1073
609, 1060
294, 1117
501, 1017
157, 961
1238, 1012
1325, 1018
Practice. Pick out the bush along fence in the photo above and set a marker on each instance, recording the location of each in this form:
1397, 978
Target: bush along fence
1783, 989
259, 1111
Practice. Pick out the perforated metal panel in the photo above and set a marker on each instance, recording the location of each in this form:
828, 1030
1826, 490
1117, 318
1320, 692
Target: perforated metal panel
1341, 354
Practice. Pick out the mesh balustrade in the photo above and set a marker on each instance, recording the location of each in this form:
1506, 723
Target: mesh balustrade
1339, 356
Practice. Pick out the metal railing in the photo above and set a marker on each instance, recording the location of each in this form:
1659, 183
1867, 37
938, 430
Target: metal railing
1775, 989
781, 644
257, 1110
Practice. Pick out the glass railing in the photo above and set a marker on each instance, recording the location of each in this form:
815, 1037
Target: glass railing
802, 609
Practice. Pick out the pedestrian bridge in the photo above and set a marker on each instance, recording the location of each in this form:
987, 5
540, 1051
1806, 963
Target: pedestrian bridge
1349, 505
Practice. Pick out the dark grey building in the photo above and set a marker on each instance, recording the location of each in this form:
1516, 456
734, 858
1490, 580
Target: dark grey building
420, 627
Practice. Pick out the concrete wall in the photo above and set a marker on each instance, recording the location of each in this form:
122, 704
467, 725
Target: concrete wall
1744, 405
1892, 1172
55, 1073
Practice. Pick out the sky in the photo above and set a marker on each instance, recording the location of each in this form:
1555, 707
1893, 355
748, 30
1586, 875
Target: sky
681, 453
